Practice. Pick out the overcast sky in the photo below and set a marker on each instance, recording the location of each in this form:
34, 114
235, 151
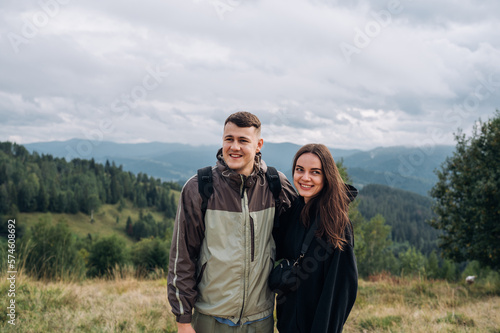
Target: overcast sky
362, 75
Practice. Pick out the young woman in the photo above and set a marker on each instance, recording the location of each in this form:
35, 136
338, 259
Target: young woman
325, 291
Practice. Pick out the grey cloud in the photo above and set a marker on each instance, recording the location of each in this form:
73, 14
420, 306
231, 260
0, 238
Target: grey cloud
280, 60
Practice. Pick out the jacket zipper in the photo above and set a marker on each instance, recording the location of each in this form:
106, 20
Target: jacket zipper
246, 214
252, 237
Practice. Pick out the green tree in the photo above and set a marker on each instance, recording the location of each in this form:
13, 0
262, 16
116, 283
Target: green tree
105, 255
150, 254
377, 256
432, 266
449, 270
467, 197
412, 262
42, 199
4, 199
128, 227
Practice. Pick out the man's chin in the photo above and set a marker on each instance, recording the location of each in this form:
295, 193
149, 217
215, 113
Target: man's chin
234, 166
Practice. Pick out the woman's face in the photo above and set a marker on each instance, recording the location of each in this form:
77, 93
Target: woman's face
308, 176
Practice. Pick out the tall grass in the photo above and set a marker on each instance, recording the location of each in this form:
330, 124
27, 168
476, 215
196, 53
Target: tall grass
125, 303
392, 304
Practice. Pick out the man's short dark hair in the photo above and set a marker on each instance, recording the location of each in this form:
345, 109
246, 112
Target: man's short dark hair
244, 119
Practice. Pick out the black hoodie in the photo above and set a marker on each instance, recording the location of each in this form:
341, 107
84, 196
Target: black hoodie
328, 285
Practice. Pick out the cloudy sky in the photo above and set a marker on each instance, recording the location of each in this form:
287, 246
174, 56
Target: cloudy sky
356, 75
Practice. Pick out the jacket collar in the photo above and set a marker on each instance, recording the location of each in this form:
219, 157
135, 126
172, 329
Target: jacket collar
235, 179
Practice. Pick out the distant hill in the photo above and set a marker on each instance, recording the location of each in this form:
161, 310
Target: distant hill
401, 167
404, 211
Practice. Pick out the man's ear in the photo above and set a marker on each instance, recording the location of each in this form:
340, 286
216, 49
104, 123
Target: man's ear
260, 143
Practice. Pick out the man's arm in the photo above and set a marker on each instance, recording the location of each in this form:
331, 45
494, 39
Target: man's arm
188, 234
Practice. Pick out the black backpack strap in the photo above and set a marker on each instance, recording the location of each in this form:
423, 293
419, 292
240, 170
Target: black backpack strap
205, 186
273, 179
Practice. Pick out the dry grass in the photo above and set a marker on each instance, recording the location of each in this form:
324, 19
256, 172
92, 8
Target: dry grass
129, 305
412, 305
121, 305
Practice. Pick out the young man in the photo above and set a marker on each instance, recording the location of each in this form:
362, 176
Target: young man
221, 257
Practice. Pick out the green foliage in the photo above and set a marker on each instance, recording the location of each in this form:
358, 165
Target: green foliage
432, 266
105, 256
49, 251
412, 262
373, 254
467, 197
449, 270
404, 211
150, 254
35, 183
147, 227
485, 276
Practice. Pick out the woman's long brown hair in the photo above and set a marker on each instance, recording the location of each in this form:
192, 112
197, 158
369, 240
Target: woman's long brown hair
332, 203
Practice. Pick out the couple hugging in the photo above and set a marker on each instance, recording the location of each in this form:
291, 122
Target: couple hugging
230, 229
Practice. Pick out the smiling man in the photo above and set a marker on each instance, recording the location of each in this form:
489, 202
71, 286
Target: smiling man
221, 256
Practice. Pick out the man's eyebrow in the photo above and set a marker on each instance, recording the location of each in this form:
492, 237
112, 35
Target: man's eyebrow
237, 137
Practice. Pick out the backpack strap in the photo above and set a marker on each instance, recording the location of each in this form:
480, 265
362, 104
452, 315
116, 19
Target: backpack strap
273, 179
205, 186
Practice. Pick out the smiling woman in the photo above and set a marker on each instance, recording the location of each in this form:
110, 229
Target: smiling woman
308, 176
317, 236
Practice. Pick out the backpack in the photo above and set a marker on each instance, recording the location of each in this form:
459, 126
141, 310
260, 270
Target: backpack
206, 188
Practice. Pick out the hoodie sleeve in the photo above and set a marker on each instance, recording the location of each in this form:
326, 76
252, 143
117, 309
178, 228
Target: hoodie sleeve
184, 252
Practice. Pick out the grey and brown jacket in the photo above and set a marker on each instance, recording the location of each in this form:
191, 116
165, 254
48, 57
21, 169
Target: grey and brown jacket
220, 264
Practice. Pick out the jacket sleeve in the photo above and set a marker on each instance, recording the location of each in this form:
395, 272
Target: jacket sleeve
189, 230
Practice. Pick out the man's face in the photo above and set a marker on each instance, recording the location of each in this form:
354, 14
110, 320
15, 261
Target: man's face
240, 144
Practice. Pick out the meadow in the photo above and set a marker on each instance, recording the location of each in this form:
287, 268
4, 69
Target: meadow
127, 304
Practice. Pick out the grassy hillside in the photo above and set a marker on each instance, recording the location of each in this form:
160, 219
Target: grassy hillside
105, 220
384, 304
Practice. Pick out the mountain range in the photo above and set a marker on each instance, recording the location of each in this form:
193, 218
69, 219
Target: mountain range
407, 168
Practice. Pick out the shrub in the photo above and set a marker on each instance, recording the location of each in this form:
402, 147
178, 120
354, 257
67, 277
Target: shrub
50, 252
105, 255
150, 254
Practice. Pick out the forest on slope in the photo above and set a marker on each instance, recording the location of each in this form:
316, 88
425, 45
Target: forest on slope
30, 182
406, 212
